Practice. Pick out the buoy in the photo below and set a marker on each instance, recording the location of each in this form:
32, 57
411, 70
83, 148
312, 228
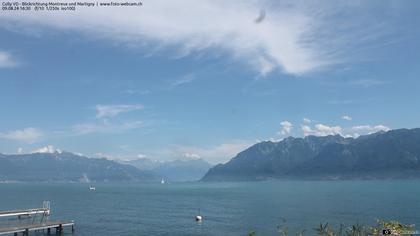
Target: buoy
198, 218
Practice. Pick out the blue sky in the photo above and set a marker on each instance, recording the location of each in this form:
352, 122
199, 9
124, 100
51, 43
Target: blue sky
192, 79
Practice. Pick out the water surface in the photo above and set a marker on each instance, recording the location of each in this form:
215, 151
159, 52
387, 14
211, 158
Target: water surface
227, 208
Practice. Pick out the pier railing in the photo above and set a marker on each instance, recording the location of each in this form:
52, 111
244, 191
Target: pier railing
29, 220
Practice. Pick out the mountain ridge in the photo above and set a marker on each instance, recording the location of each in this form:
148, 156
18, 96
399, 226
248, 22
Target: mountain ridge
326, 157
66, 167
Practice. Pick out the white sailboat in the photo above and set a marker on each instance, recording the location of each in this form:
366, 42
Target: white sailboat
198, 217
91, 188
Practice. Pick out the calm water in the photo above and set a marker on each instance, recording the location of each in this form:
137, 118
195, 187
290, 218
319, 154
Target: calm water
228, 208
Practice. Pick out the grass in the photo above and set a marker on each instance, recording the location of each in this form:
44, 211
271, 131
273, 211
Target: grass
394, 227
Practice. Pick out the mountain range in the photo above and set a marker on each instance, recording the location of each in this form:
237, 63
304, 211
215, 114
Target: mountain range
67, 167
382, 155
50, 165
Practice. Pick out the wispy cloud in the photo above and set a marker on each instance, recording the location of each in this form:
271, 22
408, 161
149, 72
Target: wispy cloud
342, 102
358, 130
184, 80
307, 120
321, 130
190, 155
133, 92
6, 60
47, 149
107, 122
105, 127
346, 117
354, 131
293, 38
106, 111
105, 155
370, 128
367, 83
214, 154
140, 155
286, 127
27, 135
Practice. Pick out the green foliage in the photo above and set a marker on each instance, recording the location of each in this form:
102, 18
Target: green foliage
282, 228
396, 228
253, 233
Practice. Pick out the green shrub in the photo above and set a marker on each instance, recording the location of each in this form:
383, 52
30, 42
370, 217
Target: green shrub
395, 227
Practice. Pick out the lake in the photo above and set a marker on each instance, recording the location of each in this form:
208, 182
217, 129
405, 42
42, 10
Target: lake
227, 208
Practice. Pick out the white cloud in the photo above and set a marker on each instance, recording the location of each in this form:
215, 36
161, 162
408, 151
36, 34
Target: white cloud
140, 92
27, 135
109, 126
105, 127
47, 149
140, 155
353, 135
275, 140
265, 66
355, 131
104, 111
346, 117
342, 102
184, 80
191, 156
307, 120
215, 154
115, 157
291, 37
321, 130
367, 83
358, 130
104, 155
6, 60
286, 127
370, 128
306, 129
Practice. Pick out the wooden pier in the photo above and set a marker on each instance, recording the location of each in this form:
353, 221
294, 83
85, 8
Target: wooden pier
30, 222
25, 229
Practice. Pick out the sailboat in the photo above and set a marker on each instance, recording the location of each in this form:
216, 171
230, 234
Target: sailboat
91, 188
198, 217
162, 181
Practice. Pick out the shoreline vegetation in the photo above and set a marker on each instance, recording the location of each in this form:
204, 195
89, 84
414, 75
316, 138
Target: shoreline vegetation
381, 228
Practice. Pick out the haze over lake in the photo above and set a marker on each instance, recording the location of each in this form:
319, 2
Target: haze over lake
228, 208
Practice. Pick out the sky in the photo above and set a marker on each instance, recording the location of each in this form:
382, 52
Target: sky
205, 79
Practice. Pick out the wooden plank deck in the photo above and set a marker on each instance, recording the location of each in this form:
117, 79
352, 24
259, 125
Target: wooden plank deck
25, 212
58, 225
